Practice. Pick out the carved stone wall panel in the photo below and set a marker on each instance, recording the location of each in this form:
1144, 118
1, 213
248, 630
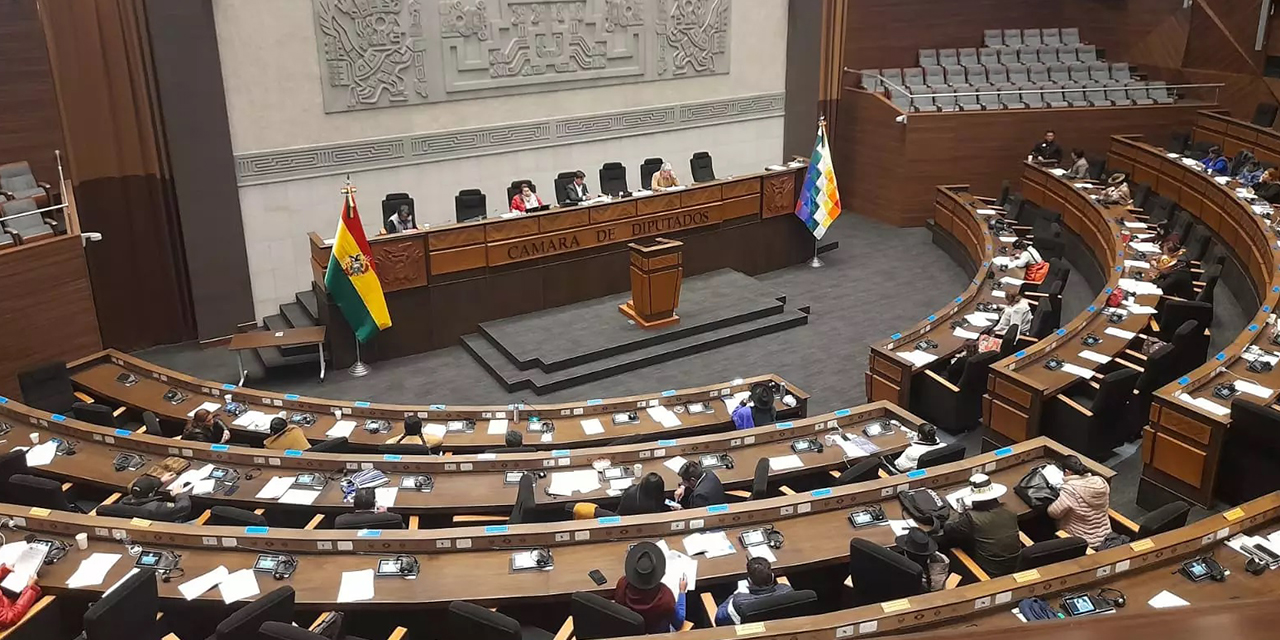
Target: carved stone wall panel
386, 53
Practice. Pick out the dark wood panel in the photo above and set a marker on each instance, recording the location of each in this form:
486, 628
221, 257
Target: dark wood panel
47, 309
30, 128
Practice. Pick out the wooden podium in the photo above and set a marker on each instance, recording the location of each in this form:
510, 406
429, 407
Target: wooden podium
657, 269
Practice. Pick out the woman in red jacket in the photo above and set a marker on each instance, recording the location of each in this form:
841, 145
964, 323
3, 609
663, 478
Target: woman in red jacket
526, 199
13, 611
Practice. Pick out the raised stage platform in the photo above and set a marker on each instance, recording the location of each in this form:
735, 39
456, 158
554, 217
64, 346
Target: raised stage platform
566, 346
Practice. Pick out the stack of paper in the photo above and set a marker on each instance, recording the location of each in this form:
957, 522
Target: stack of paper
1007, 238
1254, 389
967, 335
1140, 287
1119, 333
664, 416
565, 483
1250, 355
42, 454
93, 570
1135, 225
356, 586
712, 543
674, 464
850, 450
189, 478
275, 488
254, 421
731, 402
917, 358
385, 497
592, 427
1206, 404
981, 318
238, 586
433, 429
985, 212
341, 429
1136, 264
1164, 600
27, 564
497, 427
1094, 356
1012, 280
762, 551
680, 565
1077, 370
1145, 247
209, 406
299, 496
782, 463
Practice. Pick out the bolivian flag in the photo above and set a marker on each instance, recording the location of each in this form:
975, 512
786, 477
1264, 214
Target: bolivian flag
351, 280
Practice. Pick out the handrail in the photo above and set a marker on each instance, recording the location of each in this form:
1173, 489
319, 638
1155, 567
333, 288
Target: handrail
1057, 89
32, 213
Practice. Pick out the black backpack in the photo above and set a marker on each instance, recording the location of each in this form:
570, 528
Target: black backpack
1035, 490
925, 506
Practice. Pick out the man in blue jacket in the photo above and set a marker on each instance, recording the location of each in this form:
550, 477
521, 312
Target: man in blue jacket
760, 584
1216, 163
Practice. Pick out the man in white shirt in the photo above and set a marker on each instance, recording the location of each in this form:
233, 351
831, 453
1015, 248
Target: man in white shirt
926, 440
576, 191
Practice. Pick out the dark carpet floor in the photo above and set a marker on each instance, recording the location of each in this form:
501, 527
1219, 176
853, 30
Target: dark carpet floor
880, 280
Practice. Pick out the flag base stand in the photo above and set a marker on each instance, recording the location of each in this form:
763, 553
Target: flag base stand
816, 262
360, 369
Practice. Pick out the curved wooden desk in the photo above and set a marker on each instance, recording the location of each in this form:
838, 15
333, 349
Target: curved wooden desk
815, 523
467, 484
97, 375
1181, 447
1019, 386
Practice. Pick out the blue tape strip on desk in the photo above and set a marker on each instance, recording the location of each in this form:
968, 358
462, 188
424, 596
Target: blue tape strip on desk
820, 493
228, 387
666, 443
783, 425
362, 404
391, 457
123, 433
369, 533
718, 508
58, 417
291, 396
668, 393
918, 473
1003, 452
256, 531
496, 528
219, 447
609, 520
840, 413
559, 453
292, 453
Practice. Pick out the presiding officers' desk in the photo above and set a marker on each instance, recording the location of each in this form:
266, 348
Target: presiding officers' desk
467, 484
1182, 444
815, 523
1020, 387
442, 282
100, 374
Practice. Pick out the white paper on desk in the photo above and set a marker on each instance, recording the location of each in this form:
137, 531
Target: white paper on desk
1265, 356
9, 553
1254, 389
1083, 185
1190, 162
1222, 179
663, 416
1140, 287
299, 496
967, 335
618, 484
901, 527
1094, 356
985, 212
250, 419
1205, 403
978, 320
1012, 280
210, 406
1144, 236
341, 429
592, 427
998, 294
42, 454
238, 586
680, 565
762, 551
850, 450
204, 487
196, 587
1136, 264
189, 478
1141, 310
275, 487
1135, 225
731, 402
433, 429
1052, 475
1165, 599
27, 564
782, 463
674, 464
385, 497
92, 570
497, 427
1145, 247
356, 586
547, 436
772, 167
711, 543
565, 483
120, 581
1119, 333
918, 358
958, 499
1007, 238
1058, 171
1077, 370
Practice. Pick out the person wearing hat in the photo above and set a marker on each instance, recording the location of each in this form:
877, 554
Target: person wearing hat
760, 584
146, 500
920, 548
640, 589
756, 409
413, 434
1027, 256
1176, 280
926, 440
698, 487
665, 178
1216, 163
285, 436
1117, 191
986, 530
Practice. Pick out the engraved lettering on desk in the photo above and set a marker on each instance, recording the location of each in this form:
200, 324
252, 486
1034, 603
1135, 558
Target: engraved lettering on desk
568, 241
675, 222
535, 248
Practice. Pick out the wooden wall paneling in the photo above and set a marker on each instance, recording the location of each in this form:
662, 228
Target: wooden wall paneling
1222, 36
870, 149
30, 128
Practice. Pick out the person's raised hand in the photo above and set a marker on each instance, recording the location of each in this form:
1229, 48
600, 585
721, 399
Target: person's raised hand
31, 582
684, 583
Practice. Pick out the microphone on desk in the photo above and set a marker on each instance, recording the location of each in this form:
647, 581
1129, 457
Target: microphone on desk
284, 567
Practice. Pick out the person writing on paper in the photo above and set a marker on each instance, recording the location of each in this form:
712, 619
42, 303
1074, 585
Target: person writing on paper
206, 428
640, 589
1216, 163
576, 191
649, 496
926, 440
12, 611
285, 436
1047, 150
1016, 313
756, 409
526, 199
401, 221
1083, 503
413, 434
1117, 191
986, 529
1079, 166
665, 178
698, 487
1027, 256
760, 584
146, 500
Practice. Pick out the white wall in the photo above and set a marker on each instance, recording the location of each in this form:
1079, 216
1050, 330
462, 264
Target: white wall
272, 79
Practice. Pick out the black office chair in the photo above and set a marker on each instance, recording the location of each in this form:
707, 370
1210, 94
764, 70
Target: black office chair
391, 206
403, 449
1084, 418
1004, 194
1048, 314
1177, 312
1212, 274
649, 167
128, 612
880, 575
1252, 446
1140, 192
700, 167
34, 491
595, 617
470, 204
1157, 209
179, 513
1009, 342
1044, 225
1157, 371
954, 408
760, 482
562, 182
12, 462
1178, 141
1197, 242
1167, 518
223, 515
384, 520
245, 623
526, 501
1265, 114
47, 388
514, 188
866, 469
1190, 347
474, 622
953, 452
275, 630
1097, 168
1051, 246
779, 606
152, 423
332, 445
613, 178
98, 414
1051, 551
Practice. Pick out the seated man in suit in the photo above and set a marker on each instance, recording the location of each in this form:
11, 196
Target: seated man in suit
401, 221
285, 436
576, 191
698, 487
526, 199
760, 584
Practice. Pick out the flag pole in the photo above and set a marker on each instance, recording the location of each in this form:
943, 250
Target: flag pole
358, 368
816, 262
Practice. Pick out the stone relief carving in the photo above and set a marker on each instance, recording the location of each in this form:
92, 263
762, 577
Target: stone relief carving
384, 53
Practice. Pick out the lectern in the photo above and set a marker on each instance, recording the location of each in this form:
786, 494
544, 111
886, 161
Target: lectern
657, 268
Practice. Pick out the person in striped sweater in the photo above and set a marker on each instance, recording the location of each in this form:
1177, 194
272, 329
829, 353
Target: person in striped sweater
1082, 504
